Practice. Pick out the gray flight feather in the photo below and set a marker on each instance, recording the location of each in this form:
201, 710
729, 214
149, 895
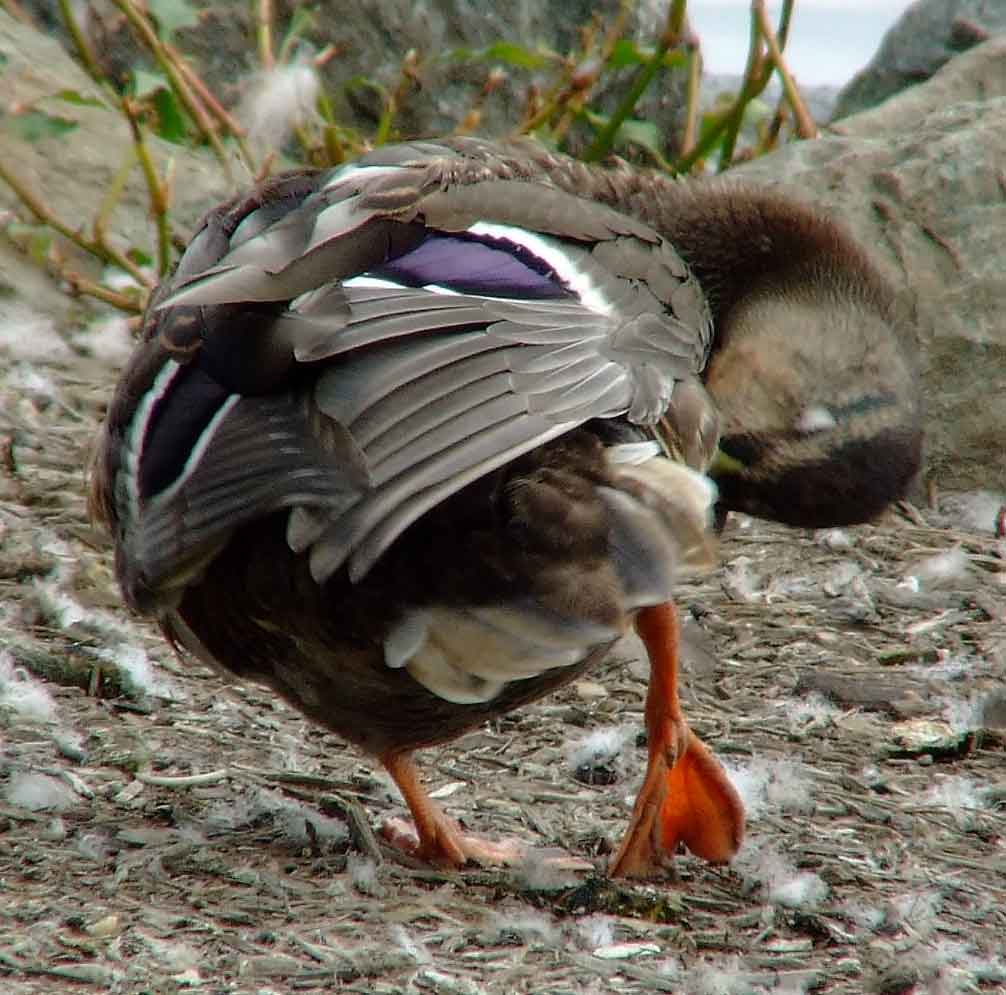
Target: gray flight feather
417, 392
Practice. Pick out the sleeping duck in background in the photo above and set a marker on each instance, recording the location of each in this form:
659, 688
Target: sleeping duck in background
414, 441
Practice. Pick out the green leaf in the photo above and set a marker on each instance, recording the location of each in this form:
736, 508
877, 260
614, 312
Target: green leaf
3, 61
140, 257
365, 83
40, 245
506, 52
643, 133
21, 232
170, 119
628, 53
631, 131
172, 15
302, 22
33, 126
77, 99
708, 123
514, 55
676, 58
757, 110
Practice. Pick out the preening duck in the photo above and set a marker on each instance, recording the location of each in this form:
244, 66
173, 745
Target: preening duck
416, 440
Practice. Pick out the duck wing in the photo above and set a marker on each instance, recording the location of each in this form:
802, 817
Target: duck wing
357, 345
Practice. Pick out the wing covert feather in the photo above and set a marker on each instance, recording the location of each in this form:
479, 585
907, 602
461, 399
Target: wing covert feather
419, 389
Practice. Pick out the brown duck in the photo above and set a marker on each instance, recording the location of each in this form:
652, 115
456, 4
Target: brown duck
415, 440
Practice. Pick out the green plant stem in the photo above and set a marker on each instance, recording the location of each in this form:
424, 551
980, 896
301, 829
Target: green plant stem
605, 138
100, 224
95, 247
755, 81
84, 50
383, 132
785, 18
155, 189
757, 74
148, 36
549, 106
805, 126
396, 97
693, 89
263, 32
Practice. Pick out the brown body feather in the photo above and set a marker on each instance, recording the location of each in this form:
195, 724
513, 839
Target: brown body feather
533, 530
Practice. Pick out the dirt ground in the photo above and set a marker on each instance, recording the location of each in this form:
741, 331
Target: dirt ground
160, 832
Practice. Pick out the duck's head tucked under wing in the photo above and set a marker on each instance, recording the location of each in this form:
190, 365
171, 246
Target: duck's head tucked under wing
811, 367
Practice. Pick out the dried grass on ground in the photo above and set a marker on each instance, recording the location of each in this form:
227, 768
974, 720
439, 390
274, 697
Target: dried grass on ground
159, 832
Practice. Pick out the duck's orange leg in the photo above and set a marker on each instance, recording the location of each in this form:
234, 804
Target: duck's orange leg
686, 797
440, 839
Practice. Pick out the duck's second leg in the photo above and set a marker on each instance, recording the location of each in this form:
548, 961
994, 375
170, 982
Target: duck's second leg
686, 796
438, 838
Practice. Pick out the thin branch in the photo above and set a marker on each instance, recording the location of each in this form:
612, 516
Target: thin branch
83, 46
79, 284
805, 126
183, 780
142, 26
96, 247
155, 189
76, 283
202, 91
770, 138
14, 9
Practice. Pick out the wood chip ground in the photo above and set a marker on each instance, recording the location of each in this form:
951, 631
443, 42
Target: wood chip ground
206, 838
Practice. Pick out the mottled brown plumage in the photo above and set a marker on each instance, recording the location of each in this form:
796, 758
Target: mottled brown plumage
404, 442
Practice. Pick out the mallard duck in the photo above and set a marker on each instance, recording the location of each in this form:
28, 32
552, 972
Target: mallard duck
414, 441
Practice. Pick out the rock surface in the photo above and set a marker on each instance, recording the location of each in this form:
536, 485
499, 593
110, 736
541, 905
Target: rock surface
919, 180
440, 85
928, 35
70, 173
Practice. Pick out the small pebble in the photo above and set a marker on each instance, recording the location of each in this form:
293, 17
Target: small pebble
590, 690
105, 927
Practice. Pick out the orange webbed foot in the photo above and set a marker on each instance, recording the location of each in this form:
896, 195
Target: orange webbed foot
702, 808
687, 799
444, 844
438, 840
686, 796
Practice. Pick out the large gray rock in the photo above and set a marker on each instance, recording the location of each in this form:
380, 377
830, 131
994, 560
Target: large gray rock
926, 36
920, 181
70, 172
